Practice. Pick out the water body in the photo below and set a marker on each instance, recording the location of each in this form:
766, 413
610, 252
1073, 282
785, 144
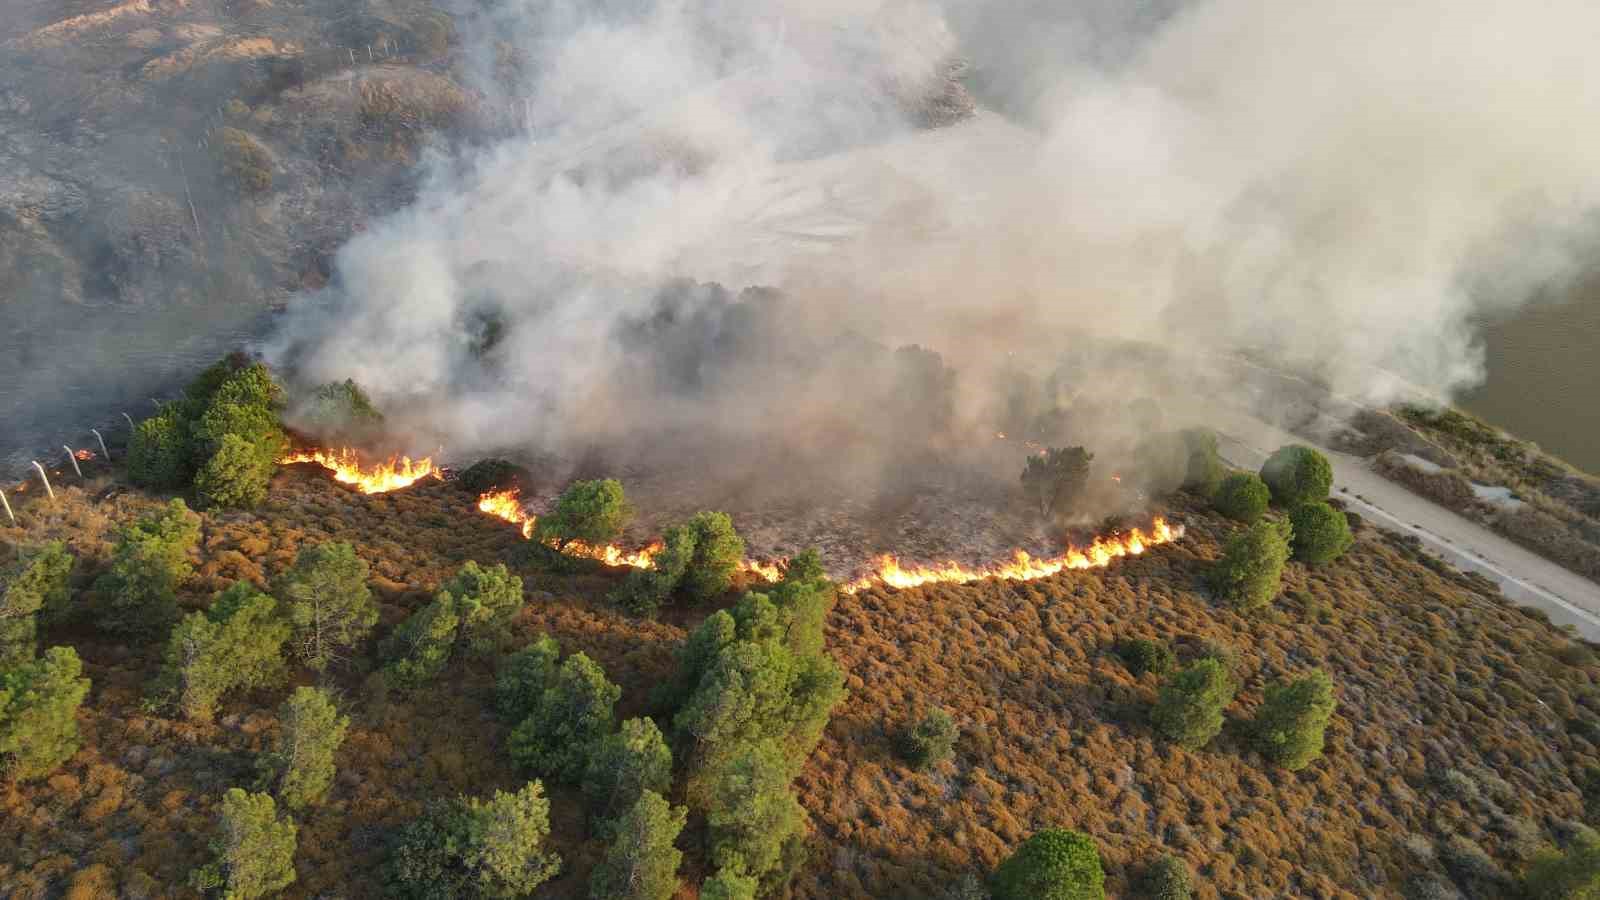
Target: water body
1544, 376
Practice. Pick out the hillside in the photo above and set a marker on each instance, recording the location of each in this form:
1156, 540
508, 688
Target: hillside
1461, 722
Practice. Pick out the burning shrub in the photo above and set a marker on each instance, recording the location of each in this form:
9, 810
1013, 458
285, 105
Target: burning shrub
1251, 568
642, 863
1055, 479
1188, 710
150, 560
300, 766
37, 587
330, 604
572, 713
1297, 474
1242, 496
1288, 727
1167, 878
931, 740
1054, 864
39, 703
254, 849
622, 767
1321, 533
237, 644
594, 512
237, 474
1142, 655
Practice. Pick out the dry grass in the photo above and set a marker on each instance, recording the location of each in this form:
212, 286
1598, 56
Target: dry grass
1452, 724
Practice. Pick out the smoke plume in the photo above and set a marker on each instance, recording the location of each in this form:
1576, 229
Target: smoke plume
1341, 187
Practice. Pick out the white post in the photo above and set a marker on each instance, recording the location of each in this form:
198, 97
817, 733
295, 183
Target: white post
45, 478
130, 420
7, 504
103, 451
352, 57
73, 458
369, 53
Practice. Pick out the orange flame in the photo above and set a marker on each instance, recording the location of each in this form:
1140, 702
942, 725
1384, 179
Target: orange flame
345, 464
772, 572
507, 505
612, 555
1022, 566
84, 455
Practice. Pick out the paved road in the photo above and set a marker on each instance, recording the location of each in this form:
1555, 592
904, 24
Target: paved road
1524, 577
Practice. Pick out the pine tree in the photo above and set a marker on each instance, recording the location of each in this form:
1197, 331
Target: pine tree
253, 852
485, 600
158, 452
37, 588
1188, 710
729, 884
139, 591
523, 676
1250, 571
717, 552
594, 512
756, 826
642, 863
420, 646
1054, 864
504, 842
39, 702
1288, 728
237, 644
237, 474
573, 713
623, 765
329, 602
300, 766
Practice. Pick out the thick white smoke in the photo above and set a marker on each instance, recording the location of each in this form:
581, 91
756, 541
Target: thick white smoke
1342, 186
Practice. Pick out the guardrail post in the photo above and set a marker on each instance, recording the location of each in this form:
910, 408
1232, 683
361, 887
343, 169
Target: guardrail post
103, 451
73, 458
45, 478
7, 504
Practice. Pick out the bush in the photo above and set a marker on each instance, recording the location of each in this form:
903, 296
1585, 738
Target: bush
729, 884
1242, 496
1204, 470
1054, 480
340, 412
158, 451
329, 602
523, 676
1297, 474
594, 512
1142, 655
245, 165
486, 601
717, 552
299, 768
929, 741
1054, 864
37, 587
1188, 710
1570, 875
1321, 533
39, 703
237, 474
139, 591
237, 644
642, 863
487, 475
473, 848
1250, 572
420, 646
1167, 878
572, 714
623, 766
253, 850
1289, 726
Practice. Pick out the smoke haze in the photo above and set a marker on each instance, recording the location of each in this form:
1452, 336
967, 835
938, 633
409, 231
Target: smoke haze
1340, 187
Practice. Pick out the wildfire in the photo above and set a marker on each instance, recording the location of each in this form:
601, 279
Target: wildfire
1022, 567
345, 464
507, 505
84, 455
612, 555
772, 572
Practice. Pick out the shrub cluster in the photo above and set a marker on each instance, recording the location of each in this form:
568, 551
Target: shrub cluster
475, 607
1250, 571
1288, 728
1142, 655
1188, 710
39, 702
237, 644
696, 563
474, 848
562, 710
1242, 496
253, 851
139, 591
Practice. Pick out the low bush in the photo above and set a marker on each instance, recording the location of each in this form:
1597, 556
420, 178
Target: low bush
1242, 496
930, 740
1143, 655
1167, 878
1250, 571
1321, 533
1297, 474
1054, 864
1188, 710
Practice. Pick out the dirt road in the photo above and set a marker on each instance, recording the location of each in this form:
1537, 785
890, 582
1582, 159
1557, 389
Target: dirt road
1524, 577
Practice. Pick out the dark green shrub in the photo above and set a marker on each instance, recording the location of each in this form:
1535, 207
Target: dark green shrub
36, 588
237, 474
39, 703
486, 600
1203, 471
1242, 496
1188, 710
1055, 864
930, 740
1570, 875
594, 512
1250, 571
1321, 533
1297, 474
253, 851
158, 451
1142, 655
729, 884
420, 646
487, 475
139, 591
235, 645
717, 552
1289, 726
1054, 480
1167, 878
523, 676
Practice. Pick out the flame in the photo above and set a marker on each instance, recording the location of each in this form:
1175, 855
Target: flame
345, 464
84, 455
1022, 566
507, 505
772, 572
612, 555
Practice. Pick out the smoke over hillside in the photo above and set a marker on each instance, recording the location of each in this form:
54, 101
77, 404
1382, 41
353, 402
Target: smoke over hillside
1341, 187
